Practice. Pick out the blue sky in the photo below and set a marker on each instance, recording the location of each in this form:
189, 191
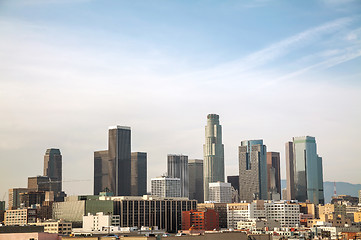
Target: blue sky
270, 69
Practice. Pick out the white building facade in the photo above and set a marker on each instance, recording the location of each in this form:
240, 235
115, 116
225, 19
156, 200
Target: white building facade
99, 222
220, 192
286, 212
244, 211
166, 187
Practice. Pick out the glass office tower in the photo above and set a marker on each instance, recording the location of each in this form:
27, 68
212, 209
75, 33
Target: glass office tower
307, 170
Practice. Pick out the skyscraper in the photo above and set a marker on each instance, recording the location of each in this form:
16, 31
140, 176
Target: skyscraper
178, 168
213, 163
112, 167
139, 174
252, 171
195, 169
307, 170
274, 173
53, 168
289, 172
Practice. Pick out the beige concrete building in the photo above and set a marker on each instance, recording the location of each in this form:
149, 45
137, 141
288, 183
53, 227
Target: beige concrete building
59, 227
28, 236
20, 217
357, 217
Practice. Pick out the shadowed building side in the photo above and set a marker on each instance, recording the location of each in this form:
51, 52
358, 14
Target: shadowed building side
139, 174
195, 168
53, 168
101, 175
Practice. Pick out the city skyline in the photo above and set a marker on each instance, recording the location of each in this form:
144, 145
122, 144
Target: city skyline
72, 68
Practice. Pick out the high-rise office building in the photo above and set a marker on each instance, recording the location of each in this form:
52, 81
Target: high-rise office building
213, 163
53, 168
112, 167
14, 197
195, 169
290, 192
178, 168
306, 171
252, 171
220, 192
42, 183
274, 173
166, 187
101, 172
139, 174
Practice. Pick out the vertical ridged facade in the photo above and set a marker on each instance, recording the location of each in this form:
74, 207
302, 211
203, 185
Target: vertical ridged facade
178, 168
252, 171
213, 163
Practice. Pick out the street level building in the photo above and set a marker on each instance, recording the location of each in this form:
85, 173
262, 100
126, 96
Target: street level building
166, 187
213, 163
139, 174
199, 220
165, 213
220, 208
112, 167
99, 221
59, 227
195, 169
252, 171
305, 174
178, 168
220, 192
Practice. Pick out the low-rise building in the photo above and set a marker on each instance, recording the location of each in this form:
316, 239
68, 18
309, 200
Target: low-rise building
220, 208
244, 211
59, 227
20, 216
258, 224
200, 220
286, 212
357, 217
99, 221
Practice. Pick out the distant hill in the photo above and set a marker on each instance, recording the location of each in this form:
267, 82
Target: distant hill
343, 188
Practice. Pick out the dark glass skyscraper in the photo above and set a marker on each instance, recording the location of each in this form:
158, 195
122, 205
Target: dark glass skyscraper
112, 168
139, 174
195, 169
53, 168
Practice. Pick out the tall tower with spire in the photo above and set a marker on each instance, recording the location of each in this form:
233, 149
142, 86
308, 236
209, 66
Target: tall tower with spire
213, 164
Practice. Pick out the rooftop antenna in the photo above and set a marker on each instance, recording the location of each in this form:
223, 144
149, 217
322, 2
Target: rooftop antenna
334, 189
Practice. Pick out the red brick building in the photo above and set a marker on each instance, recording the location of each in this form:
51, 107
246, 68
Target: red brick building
207, 220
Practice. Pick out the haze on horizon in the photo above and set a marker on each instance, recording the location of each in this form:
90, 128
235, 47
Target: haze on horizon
271, 69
